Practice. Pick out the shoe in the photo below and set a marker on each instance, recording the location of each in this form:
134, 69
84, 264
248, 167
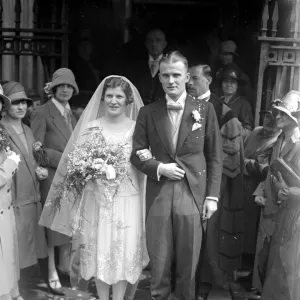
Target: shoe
202, 296
54, 290
43, 264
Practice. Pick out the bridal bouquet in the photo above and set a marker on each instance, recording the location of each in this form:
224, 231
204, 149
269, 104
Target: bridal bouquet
95, 159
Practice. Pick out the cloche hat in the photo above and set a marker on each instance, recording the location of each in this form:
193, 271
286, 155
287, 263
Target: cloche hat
231, 71
3, 98
15, 91
228, 47
289, 104
63, 76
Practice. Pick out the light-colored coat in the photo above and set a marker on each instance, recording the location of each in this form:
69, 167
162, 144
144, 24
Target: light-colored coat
9, 257
50, 128
26, 201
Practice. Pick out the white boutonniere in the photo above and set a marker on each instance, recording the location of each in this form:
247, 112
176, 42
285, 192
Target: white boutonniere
197, 117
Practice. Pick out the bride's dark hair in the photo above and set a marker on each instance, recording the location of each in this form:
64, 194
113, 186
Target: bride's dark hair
114, 82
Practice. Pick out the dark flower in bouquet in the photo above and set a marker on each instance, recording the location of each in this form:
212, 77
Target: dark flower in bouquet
40, 154
42, 160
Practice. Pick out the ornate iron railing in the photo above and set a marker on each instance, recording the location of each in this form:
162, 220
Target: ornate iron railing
48, 42
279, 62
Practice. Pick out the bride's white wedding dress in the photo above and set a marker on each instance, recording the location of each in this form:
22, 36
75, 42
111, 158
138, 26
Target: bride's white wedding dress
111, 233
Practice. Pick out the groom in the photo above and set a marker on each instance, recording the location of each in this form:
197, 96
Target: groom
183, 178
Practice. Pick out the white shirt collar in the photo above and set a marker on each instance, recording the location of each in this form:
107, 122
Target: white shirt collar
205, 95
151, 59
180, 100
60, 107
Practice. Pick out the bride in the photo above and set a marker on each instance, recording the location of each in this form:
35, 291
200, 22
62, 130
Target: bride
106, 221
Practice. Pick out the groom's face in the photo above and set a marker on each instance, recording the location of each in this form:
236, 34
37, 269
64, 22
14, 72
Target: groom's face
173, 77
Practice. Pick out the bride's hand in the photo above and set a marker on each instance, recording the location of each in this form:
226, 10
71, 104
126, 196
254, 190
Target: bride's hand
144, 154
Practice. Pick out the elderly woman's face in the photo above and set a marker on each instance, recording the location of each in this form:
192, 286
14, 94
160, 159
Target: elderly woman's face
229, 86
283, 120
115, 101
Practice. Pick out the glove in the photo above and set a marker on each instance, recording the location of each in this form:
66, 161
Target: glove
279, 182
259, 200
14, 157
42, 173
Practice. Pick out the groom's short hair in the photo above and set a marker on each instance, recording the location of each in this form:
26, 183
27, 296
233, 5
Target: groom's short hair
174, 57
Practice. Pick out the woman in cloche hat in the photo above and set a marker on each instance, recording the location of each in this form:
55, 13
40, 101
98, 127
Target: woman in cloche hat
26, 198
9, 256
230, 81
52, 124
282, 279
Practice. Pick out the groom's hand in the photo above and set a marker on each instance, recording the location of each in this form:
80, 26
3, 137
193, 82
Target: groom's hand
172, 171
209, 207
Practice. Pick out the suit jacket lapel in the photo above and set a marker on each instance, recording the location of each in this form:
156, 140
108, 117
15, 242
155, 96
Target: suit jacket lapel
59, 121
187, 121
28, 156
73, 120
163, 125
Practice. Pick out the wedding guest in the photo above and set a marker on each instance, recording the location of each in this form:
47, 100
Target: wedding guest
282, 205
25, 190
227, 56
222, 250
257, 148
109, 232
87, 74
36, 102
230, 81
183, 180
79, 102
144, 73
9, 256
52, 125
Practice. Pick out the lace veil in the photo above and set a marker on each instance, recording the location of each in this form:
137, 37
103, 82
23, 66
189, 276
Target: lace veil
59, 215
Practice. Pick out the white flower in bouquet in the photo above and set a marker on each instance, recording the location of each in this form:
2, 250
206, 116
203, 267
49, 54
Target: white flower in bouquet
110, 172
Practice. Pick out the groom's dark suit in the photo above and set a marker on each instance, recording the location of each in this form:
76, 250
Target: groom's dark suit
174, 229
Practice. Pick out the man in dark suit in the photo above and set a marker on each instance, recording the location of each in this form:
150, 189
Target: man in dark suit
184, 177
144, 73
217, 258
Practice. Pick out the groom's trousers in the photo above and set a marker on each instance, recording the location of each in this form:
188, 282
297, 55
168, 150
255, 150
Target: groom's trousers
174, 234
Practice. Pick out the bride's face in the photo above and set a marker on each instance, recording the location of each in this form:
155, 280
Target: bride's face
115, 101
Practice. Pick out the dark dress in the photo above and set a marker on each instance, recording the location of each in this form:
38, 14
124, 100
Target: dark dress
257, 144
283, 272
243, 111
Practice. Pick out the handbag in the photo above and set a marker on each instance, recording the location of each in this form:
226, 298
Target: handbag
289, 174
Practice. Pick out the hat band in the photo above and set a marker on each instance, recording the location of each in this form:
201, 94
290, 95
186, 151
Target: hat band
18, 96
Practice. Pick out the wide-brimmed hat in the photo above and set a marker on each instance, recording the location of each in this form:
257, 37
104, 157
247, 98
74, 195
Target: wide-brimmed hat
231, 71
3, 98
289, 104
64, 76
228, 47
15, 91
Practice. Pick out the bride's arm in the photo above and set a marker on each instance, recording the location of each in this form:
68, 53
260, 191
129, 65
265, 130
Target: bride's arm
140, 142
144, 154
